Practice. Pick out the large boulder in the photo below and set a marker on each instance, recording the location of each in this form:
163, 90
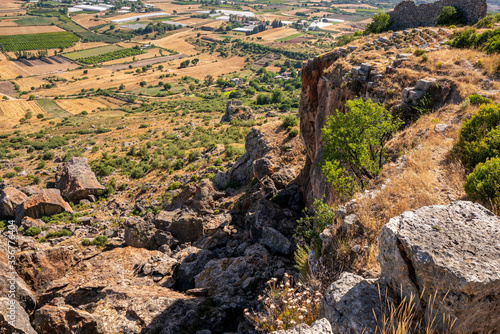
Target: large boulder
198, 197
321, 326
10, 198
46, 203
39, 268
184, 226
66, 320
191, 266
13, 318
350, 303
140, 233
451, 251
76, 180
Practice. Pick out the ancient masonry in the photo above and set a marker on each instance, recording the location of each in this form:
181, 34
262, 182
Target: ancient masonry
409, 15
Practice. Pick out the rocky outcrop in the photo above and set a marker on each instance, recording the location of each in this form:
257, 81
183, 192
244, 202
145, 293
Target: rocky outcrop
198, 197
66, 320
350, 305
10, 198
45, 203
257, 146
236, 110
39, 268
13, 318
321, 326
76, 181
451, 251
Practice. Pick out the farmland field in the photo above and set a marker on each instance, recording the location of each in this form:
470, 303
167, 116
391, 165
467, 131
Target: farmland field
35, 21
28, 30
78, 105
37, 41
92, 52
52, 108
13, 110
117, 54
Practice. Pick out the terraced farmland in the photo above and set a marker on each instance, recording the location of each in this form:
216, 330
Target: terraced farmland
37, 41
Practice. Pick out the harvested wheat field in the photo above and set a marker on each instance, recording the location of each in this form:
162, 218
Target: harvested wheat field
8, 23
274, 34
76, 106
25, 84
169, 7
88, 20
10, 70
13, 110
24, 30
176, 42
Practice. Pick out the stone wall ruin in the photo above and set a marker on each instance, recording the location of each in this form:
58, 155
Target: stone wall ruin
409, 15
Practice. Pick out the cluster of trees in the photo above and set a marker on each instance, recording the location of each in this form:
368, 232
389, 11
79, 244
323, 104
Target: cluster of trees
29, 55
186, 62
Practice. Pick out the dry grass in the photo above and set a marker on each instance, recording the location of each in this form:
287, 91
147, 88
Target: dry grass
77, 106
23, 30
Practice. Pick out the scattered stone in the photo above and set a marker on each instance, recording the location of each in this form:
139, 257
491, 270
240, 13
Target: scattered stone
76, 180
276, 241
10, 198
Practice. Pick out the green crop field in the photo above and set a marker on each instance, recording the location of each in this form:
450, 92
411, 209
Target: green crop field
36, 21
92, 52
122, 53
52, 108
50, 40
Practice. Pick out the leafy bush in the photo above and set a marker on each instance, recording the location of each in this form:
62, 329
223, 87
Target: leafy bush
174, 186
381, 22
293, 133
354, 149
100, 241
32, 231
310, 226
479, 138
290, 121
451, 15
86, 242
484, 182
477, 99
58, 234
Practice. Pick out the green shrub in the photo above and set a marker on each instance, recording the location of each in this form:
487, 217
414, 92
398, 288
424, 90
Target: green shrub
477, 99
479, 138
290, 121
451, 15
356, 139
293, 133
86, 242
195, 178
58, 234
380, 23
10, 175
49, 155
100, 241
137, 172
194, 155
32, 231
174, 186
483, 183
310, 226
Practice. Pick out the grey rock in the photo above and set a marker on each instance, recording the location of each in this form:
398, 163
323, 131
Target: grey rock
262, 167
191, 266
349, 305
276, 241
321, 326
449, 250
13, 318
220, 180
76, 180
284, 176
139, 233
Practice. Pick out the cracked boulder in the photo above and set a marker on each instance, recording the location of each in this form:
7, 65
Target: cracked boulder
452, 251
47, 202
76, 180
10, 198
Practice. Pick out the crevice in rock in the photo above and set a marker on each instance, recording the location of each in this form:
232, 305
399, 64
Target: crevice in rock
411, 270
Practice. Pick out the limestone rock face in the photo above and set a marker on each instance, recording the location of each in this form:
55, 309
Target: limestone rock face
321, 326
349, 305
10, 198
19, 323
45, 203
76, 180
66, 320
451, 250
256, 147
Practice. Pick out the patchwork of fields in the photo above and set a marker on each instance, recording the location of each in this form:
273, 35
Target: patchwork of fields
37, 41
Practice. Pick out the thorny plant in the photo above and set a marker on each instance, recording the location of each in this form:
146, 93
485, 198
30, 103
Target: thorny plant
286, 305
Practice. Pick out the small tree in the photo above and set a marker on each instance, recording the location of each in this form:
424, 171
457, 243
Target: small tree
354, 149
381, 22
451, 16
